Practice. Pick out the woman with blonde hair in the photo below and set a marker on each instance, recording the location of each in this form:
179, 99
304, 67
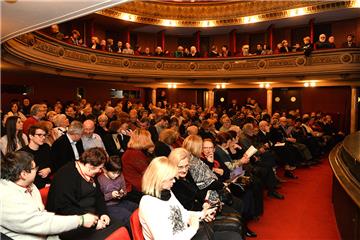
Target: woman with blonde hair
206, 179
161, 215
137, 157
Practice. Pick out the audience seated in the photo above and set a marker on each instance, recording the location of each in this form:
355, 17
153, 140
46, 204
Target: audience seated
95, 43
160, 212
75, 190
41, 153
113, 186
283, 140
14, 138
349, 42
322, 43
68, 147
23, 213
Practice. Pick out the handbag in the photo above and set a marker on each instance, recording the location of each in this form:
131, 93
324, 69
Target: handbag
230, 222
225, 196
205, 232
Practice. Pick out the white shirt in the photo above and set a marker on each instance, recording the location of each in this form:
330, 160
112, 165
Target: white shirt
93, 141
73, 145
165, 220
23, 216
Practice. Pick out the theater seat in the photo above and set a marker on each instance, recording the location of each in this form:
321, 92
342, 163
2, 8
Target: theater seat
120, 234
135, 224
44, 194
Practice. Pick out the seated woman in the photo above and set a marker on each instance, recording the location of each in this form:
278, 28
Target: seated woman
14, 138
190, 196
222, 154
206, 179
112, 184
161, 215
167, 138
75, 190
117, 139
14, 111
137, 157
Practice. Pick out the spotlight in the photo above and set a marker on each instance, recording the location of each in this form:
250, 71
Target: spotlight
312, 84
218, 86
261, 85
306, 84
223, 85
267, 85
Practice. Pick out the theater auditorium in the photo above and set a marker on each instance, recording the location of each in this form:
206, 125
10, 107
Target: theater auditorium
180, 120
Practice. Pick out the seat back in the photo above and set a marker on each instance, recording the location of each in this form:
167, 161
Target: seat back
136, 227
120, 234
44, 194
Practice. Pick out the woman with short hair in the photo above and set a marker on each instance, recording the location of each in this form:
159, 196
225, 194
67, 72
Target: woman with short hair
75, 190
137, 157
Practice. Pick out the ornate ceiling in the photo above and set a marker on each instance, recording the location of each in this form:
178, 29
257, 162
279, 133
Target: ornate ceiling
209, 9
217, 13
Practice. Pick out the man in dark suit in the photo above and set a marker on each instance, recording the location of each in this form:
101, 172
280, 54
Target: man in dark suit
349, 42
68, 147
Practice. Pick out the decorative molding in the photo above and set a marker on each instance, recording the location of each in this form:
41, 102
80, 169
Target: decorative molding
210, 14
46, 54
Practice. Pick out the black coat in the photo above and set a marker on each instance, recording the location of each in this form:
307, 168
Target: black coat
110, 145
62, 152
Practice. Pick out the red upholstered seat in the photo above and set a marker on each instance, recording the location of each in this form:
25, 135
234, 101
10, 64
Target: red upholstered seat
135, 224
44, 194
120, 234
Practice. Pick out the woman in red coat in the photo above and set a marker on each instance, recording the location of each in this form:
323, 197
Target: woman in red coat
137, 157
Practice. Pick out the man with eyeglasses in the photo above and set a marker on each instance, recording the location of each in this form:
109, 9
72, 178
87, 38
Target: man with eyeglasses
23, 215
41, 152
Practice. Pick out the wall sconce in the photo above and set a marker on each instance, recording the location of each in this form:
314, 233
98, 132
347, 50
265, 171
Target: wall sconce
310, 84
172, 85
264, 85
220, 85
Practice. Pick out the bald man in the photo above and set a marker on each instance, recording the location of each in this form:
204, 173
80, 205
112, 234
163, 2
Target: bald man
89, 138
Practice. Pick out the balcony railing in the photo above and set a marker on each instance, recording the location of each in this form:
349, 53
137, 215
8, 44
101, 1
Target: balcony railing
40, 52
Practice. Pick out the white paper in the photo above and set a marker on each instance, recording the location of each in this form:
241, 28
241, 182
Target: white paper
251, 151
279, 144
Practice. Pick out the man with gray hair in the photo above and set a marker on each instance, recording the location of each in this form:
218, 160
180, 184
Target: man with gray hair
37, 112
89, 138
68, 147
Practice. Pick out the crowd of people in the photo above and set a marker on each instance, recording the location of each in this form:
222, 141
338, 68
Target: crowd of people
109, 45
182, 166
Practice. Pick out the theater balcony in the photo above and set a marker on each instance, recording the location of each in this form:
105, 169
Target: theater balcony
345, 163
38, 52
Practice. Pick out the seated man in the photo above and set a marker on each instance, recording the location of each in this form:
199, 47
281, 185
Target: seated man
41, 152
23, 214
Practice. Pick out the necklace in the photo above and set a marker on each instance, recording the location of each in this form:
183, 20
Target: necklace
86, 178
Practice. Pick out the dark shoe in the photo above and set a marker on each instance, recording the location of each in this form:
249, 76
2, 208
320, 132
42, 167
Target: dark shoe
289, 174
250, 233
276, 195
280, 180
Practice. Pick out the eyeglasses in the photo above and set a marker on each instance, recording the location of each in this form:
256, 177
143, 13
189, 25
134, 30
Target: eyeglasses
183, 167
208, 147
40, 135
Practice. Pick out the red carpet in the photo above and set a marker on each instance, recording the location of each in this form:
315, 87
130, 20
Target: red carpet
307, 211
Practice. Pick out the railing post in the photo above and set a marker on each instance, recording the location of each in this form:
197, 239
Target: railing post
354, 114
